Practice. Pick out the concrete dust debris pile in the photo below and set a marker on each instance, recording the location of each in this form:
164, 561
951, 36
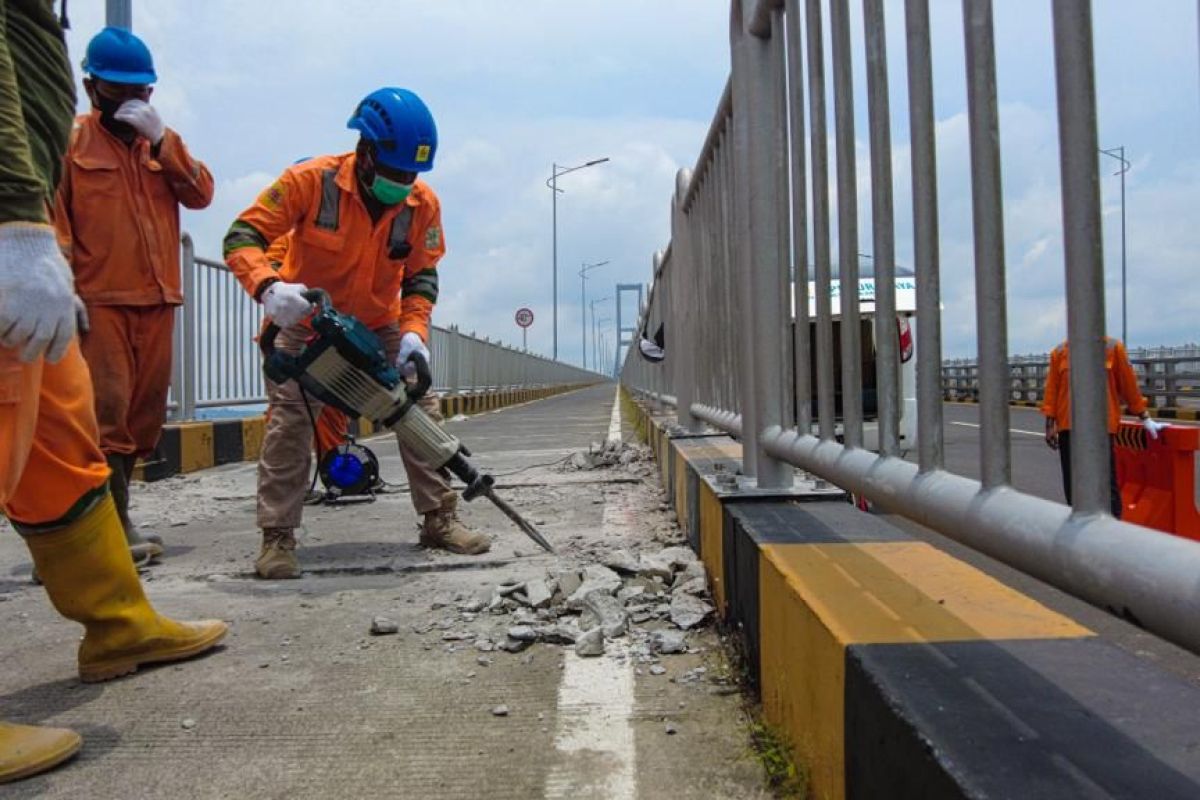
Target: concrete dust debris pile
632, 605
613, 453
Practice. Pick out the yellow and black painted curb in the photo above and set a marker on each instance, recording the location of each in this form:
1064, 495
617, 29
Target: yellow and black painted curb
896, 670
1192, 414
191, 446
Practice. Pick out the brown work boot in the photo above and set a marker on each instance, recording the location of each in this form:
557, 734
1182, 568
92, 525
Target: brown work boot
278, 557
444, 530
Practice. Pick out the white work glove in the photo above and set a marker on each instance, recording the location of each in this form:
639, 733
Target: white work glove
410, 343
285, 303
38, 306
1152, 427
144, 119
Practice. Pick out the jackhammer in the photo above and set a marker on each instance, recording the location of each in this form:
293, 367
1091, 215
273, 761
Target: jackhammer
344, 365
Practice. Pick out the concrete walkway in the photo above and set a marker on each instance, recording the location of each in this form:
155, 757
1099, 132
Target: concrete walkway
304, 703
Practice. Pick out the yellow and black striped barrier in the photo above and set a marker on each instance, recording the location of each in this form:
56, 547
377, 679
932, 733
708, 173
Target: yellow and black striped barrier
895, 670
190, 446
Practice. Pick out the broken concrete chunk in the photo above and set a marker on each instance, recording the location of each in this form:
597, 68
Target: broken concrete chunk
687, 611
500, 711
668, 642
512, 645
657, 669
562, 633
537, 594
678, 557
596, 578
621, 561
590, 644
655, 566
608, 613
522, 633
382, 626
509, 589
692, 572
631, 594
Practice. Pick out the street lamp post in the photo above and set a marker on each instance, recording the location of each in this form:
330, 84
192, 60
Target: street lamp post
1119, 154
582, 302
599, 341
552, 182
595, 353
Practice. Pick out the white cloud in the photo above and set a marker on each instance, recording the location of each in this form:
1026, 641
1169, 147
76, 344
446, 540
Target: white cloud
253, 86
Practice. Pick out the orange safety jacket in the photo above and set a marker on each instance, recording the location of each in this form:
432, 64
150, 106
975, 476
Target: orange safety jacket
117, 214
1122, 386
378, 272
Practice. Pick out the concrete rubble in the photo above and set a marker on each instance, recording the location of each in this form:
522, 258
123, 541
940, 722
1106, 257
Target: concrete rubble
634, 599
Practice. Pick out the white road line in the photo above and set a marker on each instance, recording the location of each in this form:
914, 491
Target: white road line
1010, 430
614, 424
594, 740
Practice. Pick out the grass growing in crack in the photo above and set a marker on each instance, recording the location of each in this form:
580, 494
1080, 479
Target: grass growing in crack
783, 777
768, 746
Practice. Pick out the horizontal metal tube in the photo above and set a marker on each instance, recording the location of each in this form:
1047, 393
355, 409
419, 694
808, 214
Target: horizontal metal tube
1144, 576
727, 421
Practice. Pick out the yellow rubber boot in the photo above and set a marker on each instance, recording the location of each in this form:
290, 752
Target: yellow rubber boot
26, 750
89, 575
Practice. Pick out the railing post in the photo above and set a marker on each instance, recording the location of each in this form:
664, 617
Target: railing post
1083, 249
187, 370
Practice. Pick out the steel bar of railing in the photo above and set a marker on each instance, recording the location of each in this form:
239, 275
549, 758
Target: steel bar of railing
988, 213
930, 446
847, 202
887, 369
1078, 144
761, 59
820, 205
798, 191
742, 265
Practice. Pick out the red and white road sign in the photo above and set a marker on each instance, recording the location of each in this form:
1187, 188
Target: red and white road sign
524, 317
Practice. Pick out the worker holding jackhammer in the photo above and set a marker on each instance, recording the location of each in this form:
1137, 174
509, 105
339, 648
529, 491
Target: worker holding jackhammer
369, 233
54, 481
117, 212
1122, 389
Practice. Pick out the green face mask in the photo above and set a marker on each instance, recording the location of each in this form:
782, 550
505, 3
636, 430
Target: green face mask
390, 192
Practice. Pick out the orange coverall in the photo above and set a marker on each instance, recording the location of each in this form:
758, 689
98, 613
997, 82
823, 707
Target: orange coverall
117, 215
1056, 407
351, 263
1122, 386
50, 465
349, 257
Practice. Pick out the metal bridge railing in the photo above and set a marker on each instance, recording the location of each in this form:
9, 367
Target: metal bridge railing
1169, 376
217, 363
737, 323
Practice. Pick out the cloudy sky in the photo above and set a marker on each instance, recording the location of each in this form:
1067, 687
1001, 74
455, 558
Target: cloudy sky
516, 87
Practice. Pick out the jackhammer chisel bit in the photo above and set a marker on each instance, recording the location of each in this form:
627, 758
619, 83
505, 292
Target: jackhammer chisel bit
344, 365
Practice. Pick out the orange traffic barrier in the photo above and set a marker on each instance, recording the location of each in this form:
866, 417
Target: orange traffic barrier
1158, 478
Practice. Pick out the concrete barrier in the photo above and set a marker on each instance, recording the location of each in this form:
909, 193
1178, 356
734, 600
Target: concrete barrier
189, 446
896, 670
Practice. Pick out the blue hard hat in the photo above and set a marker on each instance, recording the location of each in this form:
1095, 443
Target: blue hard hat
116, 55
401, 127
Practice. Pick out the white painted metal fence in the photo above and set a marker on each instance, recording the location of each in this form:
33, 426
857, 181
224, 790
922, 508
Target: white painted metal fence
737, 356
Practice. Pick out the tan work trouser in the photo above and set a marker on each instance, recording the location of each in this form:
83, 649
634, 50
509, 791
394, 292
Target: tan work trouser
286, 457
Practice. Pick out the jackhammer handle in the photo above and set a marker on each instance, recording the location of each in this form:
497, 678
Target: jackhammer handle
266, 342
424, 377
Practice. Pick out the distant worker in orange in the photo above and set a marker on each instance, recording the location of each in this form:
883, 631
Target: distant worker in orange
369, 233
53, 477
1122, 389
126, 174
